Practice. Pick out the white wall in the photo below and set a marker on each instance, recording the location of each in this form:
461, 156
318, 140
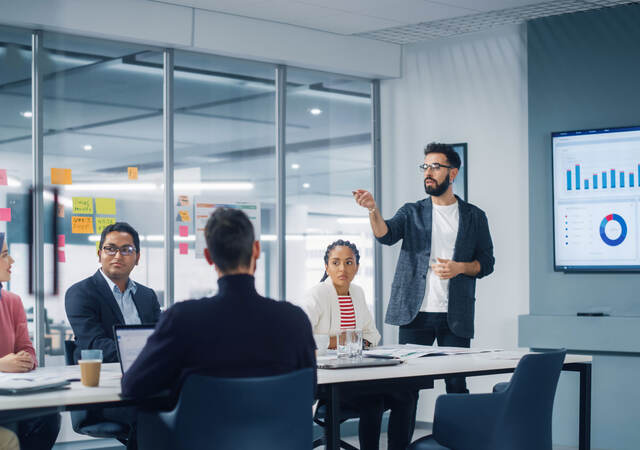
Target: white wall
469, 89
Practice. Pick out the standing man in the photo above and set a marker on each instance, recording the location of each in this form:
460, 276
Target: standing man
446, 246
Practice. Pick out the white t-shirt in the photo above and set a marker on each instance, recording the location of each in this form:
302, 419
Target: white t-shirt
444, 230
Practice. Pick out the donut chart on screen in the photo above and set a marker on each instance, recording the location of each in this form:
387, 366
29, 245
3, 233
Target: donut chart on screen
623, 232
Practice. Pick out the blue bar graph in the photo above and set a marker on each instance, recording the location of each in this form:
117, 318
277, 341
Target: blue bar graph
604, 180
595, 181
577, 177
631, 180
568, 180
622, 179
586, 184
613, 178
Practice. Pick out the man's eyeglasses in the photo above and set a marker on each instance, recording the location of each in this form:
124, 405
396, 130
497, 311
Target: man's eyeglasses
125, 250
435, 166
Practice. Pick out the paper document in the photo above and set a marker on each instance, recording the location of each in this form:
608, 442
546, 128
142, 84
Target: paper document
411, 351
17, 383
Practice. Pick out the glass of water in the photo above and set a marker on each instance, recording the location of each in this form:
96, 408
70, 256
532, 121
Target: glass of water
355, 344
343, 344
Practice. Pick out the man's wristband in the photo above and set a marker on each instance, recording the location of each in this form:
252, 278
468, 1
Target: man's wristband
372, 210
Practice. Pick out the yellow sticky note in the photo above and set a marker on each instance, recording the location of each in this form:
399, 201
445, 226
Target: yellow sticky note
106, 206
184, 216
103, 222
82, 205
81, 225
60, 176
132, 172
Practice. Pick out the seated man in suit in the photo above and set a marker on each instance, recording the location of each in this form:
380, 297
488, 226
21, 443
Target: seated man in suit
236, 333
109, 297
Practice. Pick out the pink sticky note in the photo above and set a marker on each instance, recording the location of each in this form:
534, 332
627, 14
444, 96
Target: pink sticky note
3, 177
5, 214
184, 230
61, 240
184, 248
61, 256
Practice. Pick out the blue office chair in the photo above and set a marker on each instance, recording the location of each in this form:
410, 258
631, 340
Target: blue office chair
89, 422
320, 418
267, 413
517, 415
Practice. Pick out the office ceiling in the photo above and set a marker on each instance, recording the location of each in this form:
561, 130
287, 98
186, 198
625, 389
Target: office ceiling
398, 21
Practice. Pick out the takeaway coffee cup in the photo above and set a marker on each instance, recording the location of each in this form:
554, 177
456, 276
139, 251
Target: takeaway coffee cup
90, 363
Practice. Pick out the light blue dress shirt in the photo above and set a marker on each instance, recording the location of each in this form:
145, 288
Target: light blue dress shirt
125, 300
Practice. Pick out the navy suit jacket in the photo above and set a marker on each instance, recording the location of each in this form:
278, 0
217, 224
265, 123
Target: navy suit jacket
92, 311
412, 224
237, 333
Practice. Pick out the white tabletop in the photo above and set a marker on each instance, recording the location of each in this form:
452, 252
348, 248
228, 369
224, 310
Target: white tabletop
109, 389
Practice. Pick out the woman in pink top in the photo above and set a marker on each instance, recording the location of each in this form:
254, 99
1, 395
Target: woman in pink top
17, 355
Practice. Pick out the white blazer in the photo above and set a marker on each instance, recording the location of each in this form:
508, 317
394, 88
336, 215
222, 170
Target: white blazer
322, 307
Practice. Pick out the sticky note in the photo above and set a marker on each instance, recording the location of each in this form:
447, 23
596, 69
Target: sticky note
5, 214
61, 240
106, 206
184, 248
60, 210
81, 225
184, 216
103, 222
183, 200
60, 176
82, 205
132, 172
3, 177
184, 230
61, 256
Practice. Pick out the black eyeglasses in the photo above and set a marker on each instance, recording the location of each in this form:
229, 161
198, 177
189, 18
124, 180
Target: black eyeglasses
125, 250
435, 166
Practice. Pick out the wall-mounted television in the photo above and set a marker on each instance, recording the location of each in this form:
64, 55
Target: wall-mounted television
596, 199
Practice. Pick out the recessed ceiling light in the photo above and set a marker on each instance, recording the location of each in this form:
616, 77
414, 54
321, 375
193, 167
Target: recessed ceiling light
295, 166
315, 111
88, 147
26, 114
306, 185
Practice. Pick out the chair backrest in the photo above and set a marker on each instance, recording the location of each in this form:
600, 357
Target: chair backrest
525, 423
271, 412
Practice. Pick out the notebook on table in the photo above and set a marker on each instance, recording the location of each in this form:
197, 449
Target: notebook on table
28, 383
347, 363
130, 340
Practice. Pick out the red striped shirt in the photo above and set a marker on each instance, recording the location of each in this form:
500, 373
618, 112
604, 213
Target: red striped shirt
347, 313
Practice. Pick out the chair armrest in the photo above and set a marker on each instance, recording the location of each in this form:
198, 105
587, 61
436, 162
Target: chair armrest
467, 422
501, 387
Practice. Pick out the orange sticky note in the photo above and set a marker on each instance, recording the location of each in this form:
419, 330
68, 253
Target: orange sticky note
184, 230
3, 177
61, 240
5, 214
61, 256
184, 216
60, 176
184, 248
132, 172
81, 225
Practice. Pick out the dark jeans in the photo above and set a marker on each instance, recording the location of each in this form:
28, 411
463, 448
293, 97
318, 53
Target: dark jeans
429, 327
401, 421
39, 433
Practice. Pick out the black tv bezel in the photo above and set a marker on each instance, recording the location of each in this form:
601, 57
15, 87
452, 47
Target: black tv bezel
583, 269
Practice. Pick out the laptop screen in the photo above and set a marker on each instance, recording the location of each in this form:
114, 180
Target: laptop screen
130, 340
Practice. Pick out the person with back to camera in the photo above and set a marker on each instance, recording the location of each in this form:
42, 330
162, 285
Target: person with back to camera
336, 303
18, 355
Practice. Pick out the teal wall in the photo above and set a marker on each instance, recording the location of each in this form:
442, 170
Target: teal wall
583, 72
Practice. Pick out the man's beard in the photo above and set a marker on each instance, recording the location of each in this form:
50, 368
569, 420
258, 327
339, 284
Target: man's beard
438, 189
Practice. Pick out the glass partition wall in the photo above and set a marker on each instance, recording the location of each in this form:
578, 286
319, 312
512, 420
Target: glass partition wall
101, 106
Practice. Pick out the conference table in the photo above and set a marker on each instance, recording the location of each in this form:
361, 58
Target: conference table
413, 374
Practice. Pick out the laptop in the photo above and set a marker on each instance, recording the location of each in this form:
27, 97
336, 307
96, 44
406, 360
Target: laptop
347, 363
130, 340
